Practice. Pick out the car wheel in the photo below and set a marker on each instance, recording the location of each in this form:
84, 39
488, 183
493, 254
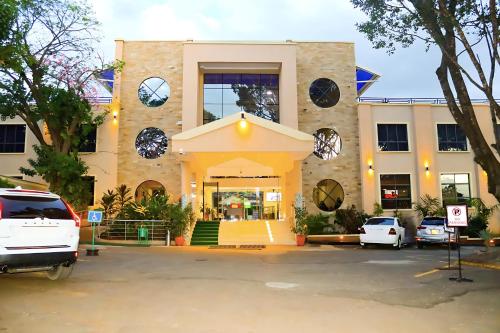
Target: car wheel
420, 245
398, 246
59, 272
363, 246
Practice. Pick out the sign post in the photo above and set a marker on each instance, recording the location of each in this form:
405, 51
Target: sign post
94, 217
456, 216
449, 231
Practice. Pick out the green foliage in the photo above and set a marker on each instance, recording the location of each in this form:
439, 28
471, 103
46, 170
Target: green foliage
300, 227
149, 208
478, 221
123, 197
181, 218
63, 172
377, 209
429, 206
5, 184
47, 61
108, 203
475, 226
349, 219
317, 223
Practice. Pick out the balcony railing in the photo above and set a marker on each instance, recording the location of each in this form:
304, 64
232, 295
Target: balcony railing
413, 100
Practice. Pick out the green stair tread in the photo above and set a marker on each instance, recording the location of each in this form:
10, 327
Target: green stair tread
205, 233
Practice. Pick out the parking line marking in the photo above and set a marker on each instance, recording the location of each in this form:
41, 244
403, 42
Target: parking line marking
426, 273
482, 265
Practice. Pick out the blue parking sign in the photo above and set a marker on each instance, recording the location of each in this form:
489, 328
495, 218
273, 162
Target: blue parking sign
94, 216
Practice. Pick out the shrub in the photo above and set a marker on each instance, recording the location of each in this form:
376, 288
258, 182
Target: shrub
316, 223
350, 219
377, 209
5, 184
429, 206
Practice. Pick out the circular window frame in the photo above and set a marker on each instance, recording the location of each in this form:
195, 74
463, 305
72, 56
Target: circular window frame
330, 101
136, 193
316, 200
156, 152
330, 151
153, 92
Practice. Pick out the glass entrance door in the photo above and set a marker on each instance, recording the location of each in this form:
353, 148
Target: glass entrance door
240, 203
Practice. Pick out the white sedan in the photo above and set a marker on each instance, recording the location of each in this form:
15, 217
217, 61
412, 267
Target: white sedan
382, 230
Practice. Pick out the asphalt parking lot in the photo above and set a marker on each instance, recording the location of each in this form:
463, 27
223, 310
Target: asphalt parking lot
278, 289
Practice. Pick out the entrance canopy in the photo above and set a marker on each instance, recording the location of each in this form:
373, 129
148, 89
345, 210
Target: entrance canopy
243, 133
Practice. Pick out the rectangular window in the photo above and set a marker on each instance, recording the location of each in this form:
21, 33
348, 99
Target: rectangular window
392, 137
230, 93
451, 138
12, 138
455, 188
395, 191
88, 142
90, 182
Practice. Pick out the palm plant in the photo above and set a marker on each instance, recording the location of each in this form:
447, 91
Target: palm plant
429, 206
123, 197
108, 203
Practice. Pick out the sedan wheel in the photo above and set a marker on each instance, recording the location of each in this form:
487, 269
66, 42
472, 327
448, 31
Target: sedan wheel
59, 272
399, 245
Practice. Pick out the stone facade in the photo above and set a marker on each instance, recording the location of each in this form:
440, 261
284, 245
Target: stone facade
335, 61
144, 60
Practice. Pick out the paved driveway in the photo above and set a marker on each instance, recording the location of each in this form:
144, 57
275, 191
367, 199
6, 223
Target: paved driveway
315, 289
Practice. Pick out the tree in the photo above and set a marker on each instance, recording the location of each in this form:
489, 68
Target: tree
8, 13
48, 80
461, 30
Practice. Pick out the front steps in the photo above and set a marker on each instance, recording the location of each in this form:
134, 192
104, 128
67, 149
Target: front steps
205, 233
258, 232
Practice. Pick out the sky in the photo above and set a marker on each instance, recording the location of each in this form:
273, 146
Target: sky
407, 73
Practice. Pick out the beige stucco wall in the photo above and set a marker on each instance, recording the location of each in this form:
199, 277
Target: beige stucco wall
144, 60
421, 120
335, 61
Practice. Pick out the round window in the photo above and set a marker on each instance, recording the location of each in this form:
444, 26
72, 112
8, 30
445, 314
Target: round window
327, 143
148, 189
328, 195
154, 91
151, 143
324, 93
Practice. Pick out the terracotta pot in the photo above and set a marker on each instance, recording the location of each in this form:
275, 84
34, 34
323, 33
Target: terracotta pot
179, 241
301, 240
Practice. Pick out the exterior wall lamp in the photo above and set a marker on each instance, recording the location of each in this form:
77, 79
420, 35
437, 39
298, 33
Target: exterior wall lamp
115, 116
243, 121
370, 168
427, 172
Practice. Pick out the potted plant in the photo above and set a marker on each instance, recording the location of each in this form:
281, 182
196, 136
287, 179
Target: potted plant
300, 228
180, 218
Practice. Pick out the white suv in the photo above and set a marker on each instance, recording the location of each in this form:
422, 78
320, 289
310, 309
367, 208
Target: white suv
38, 232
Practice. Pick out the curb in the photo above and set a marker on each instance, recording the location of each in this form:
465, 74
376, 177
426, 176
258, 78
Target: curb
481, 265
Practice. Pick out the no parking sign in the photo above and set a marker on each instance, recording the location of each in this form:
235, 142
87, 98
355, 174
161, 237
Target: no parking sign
456, 215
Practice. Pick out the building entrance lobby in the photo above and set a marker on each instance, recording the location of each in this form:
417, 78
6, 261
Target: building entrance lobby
242, 198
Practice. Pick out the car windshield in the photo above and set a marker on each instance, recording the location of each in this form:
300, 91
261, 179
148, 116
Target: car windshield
380, 221
436, 221
24, 207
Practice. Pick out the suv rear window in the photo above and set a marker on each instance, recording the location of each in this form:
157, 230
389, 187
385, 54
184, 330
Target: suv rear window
380, 221
436, 221
24, 207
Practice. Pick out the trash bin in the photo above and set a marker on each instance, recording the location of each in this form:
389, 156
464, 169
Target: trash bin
142, 234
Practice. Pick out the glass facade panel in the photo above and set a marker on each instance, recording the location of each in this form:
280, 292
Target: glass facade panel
455, 188
395, 191
392, 137
451, 138
226, 94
